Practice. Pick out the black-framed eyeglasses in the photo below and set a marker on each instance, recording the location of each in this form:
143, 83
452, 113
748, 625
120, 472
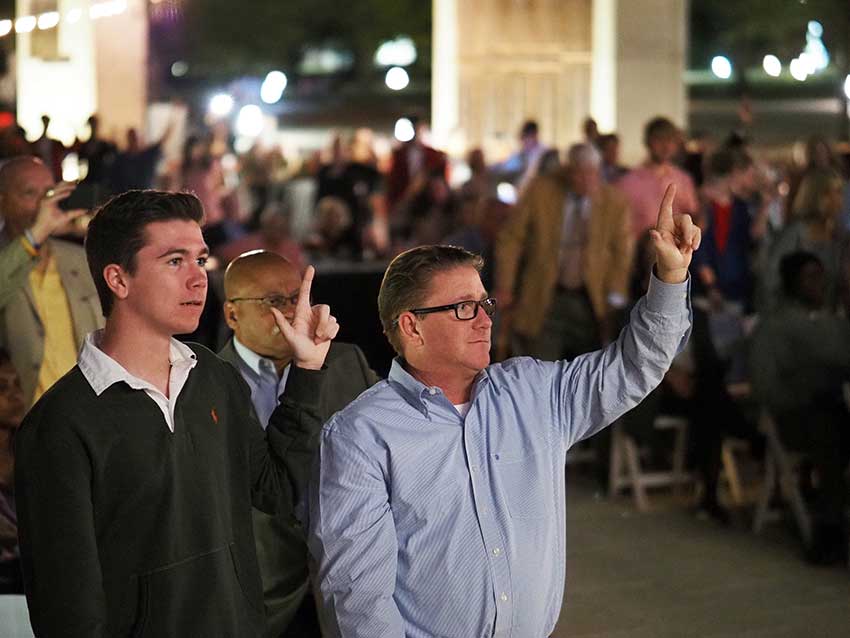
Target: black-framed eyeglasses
464, 310
271, 301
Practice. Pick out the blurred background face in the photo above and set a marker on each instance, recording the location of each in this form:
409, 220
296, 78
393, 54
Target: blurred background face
662, 148
274, 224
591, 129
744, 182
611, 152
584, 178
21, 191
529, 141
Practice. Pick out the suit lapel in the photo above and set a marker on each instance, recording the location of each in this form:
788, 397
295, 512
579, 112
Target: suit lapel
74, 283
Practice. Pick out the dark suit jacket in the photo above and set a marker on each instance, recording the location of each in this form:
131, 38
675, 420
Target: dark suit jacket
281, 546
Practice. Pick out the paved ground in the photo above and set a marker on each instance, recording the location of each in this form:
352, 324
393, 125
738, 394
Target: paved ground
667, 574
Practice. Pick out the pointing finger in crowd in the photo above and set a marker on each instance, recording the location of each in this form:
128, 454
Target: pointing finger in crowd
302, 308
665, 211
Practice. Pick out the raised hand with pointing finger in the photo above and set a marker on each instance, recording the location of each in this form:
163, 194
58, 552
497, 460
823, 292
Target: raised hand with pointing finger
312, 329
674, 238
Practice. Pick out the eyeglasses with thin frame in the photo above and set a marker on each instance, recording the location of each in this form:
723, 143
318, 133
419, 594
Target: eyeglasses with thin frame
464, 310
271, 301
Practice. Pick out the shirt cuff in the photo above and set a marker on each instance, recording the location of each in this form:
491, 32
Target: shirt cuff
616, 300
665, 298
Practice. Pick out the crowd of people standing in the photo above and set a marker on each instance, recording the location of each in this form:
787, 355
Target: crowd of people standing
567, 240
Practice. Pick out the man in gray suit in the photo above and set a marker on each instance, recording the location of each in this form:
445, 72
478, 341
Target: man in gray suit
48, 302
254, 283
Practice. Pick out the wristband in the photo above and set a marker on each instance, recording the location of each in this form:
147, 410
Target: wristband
32, 252
31, 239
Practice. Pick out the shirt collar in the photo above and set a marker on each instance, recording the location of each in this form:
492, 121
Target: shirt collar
416, 393
102, 371
256, 363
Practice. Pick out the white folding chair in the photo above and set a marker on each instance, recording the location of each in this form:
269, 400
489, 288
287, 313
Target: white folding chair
625, 468
781, 471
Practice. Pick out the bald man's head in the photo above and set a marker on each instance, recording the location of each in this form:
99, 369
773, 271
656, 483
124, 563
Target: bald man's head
243, 270
23, 183
253, 283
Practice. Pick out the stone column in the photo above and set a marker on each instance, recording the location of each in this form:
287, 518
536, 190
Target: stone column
499, 62
515, 59
649, 66
83, 66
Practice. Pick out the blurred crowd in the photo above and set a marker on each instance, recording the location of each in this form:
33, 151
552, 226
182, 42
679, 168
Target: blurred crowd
564, 235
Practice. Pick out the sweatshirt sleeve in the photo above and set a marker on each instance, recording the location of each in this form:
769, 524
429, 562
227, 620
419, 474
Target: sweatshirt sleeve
61, 566
281, 460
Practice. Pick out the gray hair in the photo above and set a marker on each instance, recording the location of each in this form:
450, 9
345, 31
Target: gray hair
583, 154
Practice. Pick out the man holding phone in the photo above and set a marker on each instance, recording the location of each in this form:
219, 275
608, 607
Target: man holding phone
48, 302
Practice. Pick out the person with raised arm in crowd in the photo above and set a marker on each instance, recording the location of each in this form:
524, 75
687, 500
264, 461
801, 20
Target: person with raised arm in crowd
437, 504
48, 301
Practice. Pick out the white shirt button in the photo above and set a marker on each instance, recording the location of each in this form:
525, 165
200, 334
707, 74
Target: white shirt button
504, 597
432, 391
497, 551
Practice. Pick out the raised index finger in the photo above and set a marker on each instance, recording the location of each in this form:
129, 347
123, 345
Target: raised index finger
303, 304
665, 212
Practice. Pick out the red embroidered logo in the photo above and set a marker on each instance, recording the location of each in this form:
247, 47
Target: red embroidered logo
214, 415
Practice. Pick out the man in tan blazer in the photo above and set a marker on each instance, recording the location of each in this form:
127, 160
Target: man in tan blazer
563, 261
48, 302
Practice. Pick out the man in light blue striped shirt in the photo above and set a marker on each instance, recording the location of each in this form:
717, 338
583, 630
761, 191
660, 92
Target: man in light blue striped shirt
437, 505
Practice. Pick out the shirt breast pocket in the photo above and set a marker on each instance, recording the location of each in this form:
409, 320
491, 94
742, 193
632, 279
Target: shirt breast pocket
524, 480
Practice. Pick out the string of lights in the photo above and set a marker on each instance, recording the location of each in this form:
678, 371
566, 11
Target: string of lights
52, 19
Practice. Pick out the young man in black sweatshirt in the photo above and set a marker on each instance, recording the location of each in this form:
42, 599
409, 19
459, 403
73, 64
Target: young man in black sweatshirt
137, 471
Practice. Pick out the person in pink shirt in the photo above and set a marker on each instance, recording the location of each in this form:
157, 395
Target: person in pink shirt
644, 186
